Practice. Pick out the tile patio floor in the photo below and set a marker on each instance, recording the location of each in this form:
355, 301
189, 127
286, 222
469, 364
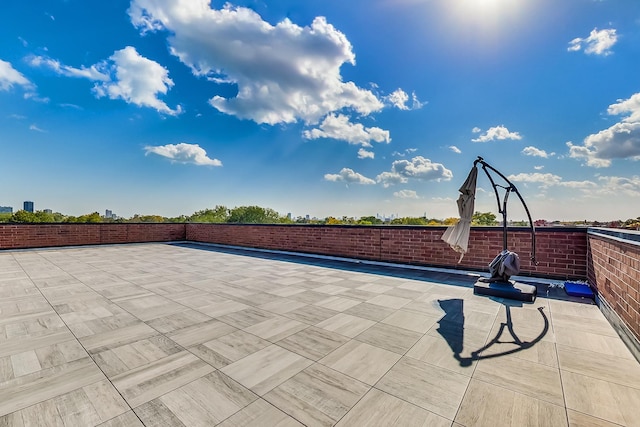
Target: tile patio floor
172, 335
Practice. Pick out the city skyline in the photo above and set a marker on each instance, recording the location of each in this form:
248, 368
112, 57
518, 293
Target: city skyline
320, 108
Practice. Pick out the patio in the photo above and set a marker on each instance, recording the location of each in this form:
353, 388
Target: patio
181, 334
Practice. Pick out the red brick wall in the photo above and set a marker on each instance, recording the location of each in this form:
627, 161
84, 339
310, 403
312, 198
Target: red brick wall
562, 253
18, 236
614, 270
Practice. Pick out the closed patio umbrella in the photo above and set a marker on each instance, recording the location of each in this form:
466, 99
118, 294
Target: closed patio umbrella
457, 236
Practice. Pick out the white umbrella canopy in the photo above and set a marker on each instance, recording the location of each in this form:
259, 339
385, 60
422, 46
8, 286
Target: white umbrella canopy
457, 236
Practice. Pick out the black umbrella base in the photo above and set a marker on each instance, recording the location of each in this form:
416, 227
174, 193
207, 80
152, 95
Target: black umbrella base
508, 290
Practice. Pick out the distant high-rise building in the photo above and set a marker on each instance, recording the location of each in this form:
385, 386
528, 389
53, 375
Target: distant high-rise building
6, 209
28, 206
108, 213
49, 211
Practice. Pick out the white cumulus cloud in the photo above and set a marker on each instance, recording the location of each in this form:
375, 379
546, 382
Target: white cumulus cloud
137, 80
9, 77
349, 176
619, 141
184, 153
398, 99
340, 127
496, 132
620, 185
406, 194
547, 180
536, 152
364, 154
455, 149
283, 72
126, 75
35, 128
418, 168
540, 178
599, 42
91, 73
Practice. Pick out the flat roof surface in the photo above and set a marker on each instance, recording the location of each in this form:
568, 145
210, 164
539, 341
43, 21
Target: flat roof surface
166, 334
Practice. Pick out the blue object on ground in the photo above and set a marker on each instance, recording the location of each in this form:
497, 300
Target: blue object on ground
578, 290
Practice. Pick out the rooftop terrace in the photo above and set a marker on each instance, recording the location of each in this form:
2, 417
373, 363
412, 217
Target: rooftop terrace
163, 334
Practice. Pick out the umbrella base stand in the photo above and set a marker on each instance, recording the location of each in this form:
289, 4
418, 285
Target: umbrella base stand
501, 289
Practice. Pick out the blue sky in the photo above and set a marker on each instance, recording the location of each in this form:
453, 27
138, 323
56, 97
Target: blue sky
320, 107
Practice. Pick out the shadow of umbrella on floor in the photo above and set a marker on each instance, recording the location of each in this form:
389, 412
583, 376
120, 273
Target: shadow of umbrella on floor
451, 328
457, 236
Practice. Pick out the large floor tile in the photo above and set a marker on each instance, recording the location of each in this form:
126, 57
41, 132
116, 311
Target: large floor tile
311, 314
282, 306
578, 419
266, 368
370, 311
389, 301
361, 361
346, 324
207, 400
45, 384
313, 343
90, 405
247, 317
572, 309
229, 348
317, 396
604, 344
113, 338
433, 388
379, 409
389, 337
259, 414
451, 348
276, 328
416, 322
176, 321
152, 380
150, 307
620, 370
128, 419
19, 344
120, 359
601, 399
531, 379
595, 325
489, 405
338, 303
201, 332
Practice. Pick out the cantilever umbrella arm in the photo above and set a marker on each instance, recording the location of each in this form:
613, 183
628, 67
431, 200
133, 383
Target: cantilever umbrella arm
503, 209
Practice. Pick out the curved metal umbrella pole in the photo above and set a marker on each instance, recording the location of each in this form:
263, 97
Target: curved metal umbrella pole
503, 210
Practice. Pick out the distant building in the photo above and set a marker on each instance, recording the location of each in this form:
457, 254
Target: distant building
108, 213
49, 211
6, 209
28, 206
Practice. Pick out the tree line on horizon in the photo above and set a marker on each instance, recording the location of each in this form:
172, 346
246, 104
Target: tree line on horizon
237, 215
260, 215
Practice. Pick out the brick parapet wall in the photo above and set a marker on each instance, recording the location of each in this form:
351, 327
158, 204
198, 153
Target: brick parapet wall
614, 270
21, 236
562, 253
